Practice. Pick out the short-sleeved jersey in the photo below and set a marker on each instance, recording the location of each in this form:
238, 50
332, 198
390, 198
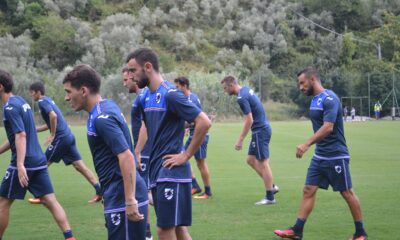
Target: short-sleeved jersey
47, 105
326, 107
136, 123
193, 98
165, 112
250, 103
108, 135
18, 117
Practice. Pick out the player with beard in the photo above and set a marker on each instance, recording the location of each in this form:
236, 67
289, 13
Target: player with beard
165, 110
330, 163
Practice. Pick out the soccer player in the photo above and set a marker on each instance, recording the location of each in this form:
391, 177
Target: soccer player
182, 84
61, 141
139, 128
256, 119
124, 192
165, 110
330, 163
28, 168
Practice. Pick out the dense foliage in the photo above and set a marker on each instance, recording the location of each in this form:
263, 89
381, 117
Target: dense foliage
263, 43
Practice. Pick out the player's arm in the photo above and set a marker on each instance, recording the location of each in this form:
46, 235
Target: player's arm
202, 124
248, 121
4, 147
127, 166
142, 139
41, 128
324, 131
53, 127
20, 146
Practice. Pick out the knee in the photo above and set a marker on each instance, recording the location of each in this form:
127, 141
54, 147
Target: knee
250, 162
348, 194
78, 167
308, 191
200, 163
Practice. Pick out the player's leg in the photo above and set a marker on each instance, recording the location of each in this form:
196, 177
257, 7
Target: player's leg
51, 203
205, 175
195, 185
5, 205
355, 208
182, 233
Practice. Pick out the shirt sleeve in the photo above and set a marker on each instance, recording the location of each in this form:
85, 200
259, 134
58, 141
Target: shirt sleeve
244, 105
331, 108
179, 104
108, 128
45, 107
13, 115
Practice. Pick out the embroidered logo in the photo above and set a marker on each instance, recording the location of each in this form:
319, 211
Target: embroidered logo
116, 218
50, 147
338, 169
253, 144
169, 193
158, 97
143, 167
319, 101
7, 175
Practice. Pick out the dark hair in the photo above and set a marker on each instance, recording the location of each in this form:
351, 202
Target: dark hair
309, 72
84, 75
125, 69
229, 80
143, 55
182, 81
37, 86
6, 80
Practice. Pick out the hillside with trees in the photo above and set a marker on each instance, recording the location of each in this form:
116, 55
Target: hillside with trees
264, 43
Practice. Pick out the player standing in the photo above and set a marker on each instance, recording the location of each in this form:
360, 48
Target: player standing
256, 119
28, 168
165, 110
124, 192
61, 141
330, 163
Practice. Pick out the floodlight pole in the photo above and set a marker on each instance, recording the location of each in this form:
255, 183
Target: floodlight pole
369, 97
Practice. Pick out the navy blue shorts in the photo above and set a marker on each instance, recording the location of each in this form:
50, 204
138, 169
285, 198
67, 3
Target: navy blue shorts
202, 152
119, 227
63, 148
323, 173
39, 183
144, 169
259, 144
173, 204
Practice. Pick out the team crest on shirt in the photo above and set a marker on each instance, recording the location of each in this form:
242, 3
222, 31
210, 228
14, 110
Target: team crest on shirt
338, 169
319, 101
116, 218
7, 175
158, 97
169, 193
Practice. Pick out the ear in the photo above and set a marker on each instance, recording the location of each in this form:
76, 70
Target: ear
147, 66
85, 91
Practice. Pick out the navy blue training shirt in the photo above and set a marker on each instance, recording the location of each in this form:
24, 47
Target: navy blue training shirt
165, 112
18, 118
249, 102
136, 123
47, 105
326, 107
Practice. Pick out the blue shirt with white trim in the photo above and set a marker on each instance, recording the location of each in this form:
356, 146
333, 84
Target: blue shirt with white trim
47, 105
250, 103
326, 107
165, 112
18, 117
108, 135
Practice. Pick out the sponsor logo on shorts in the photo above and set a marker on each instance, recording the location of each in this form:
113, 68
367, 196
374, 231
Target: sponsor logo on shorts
253, 144
338, 169
116, 218
143, 167
169, 193
50, 147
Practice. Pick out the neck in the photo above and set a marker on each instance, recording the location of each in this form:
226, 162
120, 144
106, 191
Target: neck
186, 92
155, 81
6, 96
318, 89
92, 101
237, 89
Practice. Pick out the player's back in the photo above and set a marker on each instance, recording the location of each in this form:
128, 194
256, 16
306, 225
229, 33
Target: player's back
46, 105
249, 102
18, 117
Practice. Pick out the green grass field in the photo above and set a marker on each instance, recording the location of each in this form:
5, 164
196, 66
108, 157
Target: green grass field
231, 213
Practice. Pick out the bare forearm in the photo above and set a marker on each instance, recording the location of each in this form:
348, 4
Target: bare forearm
4, 147
246, 128
53, 123
42, 128
202, 124
20, 145
324, 131
142, 139
128, 166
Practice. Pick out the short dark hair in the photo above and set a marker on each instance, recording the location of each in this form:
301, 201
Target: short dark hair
84, 75
143, 55
309, 72
37, 86
229, 80
182, 81
6, 80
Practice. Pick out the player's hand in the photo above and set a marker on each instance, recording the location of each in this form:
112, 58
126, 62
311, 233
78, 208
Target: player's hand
23, 176
301, 149
187, 132
172, 160
139, 159
239, 145
48, 140
132, 211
